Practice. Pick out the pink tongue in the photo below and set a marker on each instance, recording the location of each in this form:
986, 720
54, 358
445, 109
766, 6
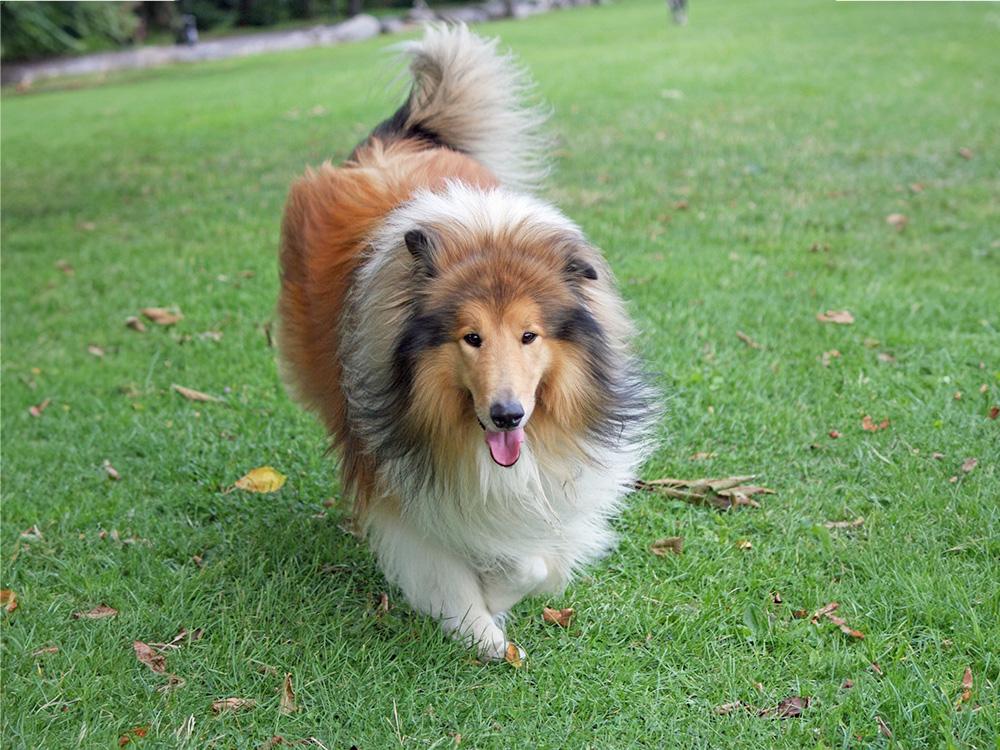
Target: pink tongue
505, 447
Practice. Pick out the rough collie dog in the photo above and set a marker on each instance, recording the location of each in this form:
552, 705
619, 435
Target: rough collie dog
464, 345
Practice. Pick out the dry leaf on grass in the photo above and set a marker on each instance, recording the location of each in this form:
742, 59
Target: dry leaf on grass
162, 316
727, 708
885, 357
45, 650
262, 479
868, 424
827, 612
560, 617
969, 464
135, 324
37, 409
111, 471
834, 434
514, 655
883, 727
897, 221
847, 684
788, 708
272, 743
65, 267
723, 493
965, 153
173, 682
667, 544
994, 412
134, 732
97, 613
8, 599
232, 704
747, 340
829, 356
845, 524
192, 395
702, 456
966, 695
877, 669
287, 705
149, 656
95, 350
383, 605
32, 534
841, 317
744, 544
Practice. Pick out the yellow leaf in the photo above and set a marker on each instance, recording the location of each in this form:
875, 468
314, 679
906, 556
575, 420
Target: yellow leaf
262, 479
514, 655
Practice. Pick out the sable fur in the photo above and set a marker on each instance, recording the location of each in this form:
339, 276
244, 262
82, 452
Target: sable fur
387, 261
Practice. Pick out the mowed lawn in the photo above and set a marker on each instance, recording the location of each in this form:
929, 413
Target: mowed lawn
739, 173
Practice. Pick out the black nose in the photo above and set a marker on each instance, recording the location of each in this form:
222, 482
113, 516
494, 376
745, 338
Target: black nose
507, 415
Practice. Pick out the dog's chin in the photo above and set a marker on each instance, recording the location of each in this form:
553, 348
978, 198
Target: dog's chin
504, 446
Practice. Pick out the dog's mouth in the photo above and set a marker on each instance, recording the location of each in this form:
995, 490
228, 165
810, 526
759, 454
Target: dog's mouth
505, 447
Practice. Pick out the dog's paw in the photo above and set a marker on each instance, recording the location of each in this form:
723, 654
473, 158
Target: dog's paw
507, 651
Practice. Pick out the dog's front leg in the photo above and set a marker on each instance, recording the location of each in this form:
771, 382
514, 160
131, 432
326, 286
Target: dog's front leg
502, 590
437, 582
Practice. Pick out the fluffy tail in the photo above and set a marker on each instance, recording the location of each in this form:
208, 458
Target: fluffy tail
468, 96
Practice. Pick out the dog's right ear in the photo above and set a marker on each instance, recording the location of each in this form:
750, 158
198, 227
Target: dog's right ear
421, 248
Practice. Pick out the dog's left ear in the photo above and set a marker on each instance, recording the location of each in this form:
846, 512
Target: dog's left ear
421, 248
576, 268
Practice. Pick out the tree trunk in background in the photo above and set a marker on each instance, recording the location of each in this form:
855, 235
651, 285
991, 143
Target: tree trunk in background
508, 8
353, 8
244, 12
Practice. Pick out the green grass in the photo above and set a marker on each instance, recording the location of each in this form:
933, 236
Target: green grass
783, 125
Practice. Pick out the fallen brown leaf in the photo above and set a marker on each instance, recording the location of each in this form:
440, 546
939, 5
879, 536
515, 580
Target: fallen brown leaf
744, 544
840, 317
560, 617
65, 267
957, 396
232, 704
702, 456
383, 604
828, 356
192, 395
788, 708
885, 357
287, 705
126, 738
984, 388
916, 187
275, 741
667, 544
969, 464
95, 350
800, 614
869, 425
173, 682
824, 611
722, 494
776, 597
32, 534
148, 656
965, 153
112, 472
37, 409
8, 599
262, 479
966, 695
897, 221
727, 708
877, 669
834, 434
162, 316
135, 324
883, 727
514, 655
45, 650
844, 627
747, 340
937, 456
994, 412
847, 684
844, 524
97, 613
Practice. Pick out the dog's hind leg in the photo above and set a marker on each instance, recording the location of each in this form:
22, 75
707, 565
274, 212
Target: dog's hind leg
437, 582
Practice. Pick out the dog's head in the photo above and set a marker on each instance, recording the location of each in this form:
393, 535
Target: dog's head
499, 335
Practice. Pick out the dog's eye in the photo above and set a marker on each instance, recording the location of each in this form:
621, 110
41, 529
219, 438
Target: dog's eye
473, 340
528, 337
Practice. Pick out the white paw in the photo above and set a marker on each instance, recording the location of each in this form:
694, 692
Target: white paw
500, 620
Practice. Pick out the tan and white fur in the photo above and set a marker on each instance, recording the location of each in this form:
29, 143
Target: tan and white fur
464, 345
